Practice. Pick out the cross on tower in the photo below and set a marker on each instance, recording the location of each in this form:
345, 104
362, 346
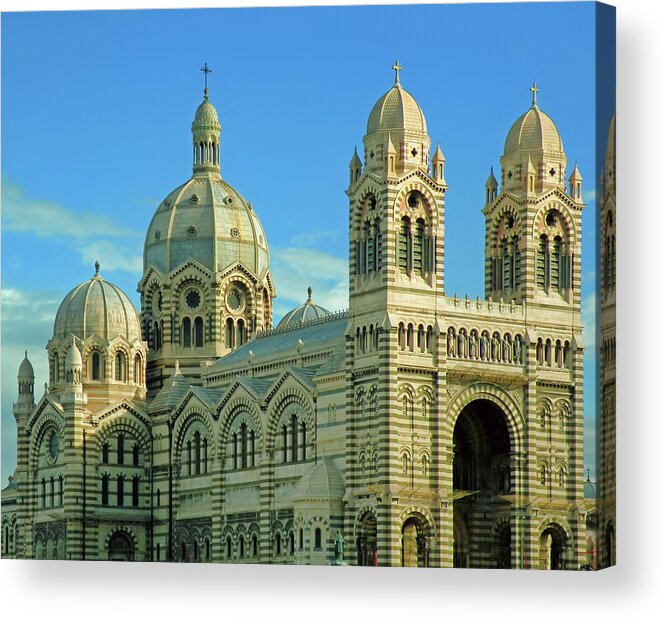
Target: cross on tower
397, 67
534, 89
206, 70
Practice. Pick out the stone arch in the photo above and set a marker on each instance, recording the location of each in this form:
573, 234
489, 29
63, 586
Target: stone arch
279, 404
185, 420
496, 395
122, 530
235, 407
47, 421
429, 209
557, 554
568, 227
417, 535
124, 424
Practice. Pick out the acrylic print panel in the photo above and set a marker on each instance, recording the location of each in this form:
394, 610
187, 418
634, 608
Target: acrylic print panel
234, 251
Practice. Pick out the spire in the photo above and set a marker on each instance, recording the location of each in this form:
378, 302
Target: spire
97, 269
534, 89
309, 294
529, 166
491, 179
391, 146
355, 160
397, 68
206, 70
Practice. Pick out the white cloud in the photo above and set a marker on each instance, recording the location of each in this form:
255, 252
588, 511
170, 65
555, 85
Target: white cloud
296, 268
589, 195
312, 239
92, 235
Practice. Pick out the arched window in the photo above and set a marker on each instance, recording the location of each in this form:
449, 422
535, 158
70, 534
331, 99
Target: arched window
157, 337
369, 249
541, 263
186, 332
229, 333
120, 490
105, 453
241, 332
159, 498
292, 543
243, 445
278, 544
401, 336
404, 245
105, 490
121, 449
183, 551
198, 332
301, 536
241, 546
379, 247
197, 452
138, 370
135, 455
135, 491
419, 248
255, 545
229, 549
96, 366
56, 368
61, 491
189, 457
317, 538
555, 264
517, 262
294, 438
120, 366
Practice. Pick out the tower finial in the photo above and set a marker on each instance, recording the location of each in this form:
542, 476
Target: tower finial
534, 89
96, 268
397, 67
205, 70
309, 294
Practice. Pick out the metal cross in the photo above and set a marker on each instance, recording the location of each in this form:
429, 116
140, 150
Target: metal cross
206, 70
534, 89
397, 67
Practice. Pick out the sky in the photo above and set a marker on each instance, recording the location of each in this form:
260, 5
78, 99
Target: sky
96, 129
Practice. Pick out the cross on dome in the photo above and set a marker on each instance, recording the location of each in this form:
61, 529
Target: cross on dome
397, 68
206, 70
534, 89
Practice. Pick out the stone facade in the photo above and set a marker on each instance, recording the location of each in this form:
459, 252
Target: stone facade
414, 429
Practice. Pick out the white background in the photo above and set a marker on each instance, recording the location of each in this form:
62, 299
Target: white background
114, 590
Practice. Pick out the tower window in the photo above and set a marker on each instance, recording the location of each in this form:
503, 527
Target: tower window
96, 375
120, 366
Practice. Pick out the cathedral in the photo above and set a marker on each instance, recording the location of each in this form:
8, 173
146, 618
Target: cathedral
413, 429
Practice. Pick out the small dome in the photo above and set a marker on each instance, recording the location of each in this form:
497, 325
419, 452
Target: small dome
73, 356
25, 370
534, 131
308, 311
96, 307
323, 481
206, 114
589, 489
397, 109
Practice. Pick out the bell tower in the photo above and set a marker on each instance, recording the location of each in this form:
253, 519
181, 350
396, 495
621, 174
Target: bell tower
396, 225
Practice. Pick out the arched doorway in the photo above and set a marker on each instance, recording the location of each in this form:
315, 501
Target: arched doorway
482, 472
610, 558
121, 548
366, 540
552, 548
460, 542
415, 535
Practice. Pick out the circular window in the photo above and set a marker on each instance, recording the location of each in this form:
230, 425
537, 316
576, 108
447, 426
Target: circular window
510, 222
234, 299
193, 299
235, 233
191, 231
157, 235
414, 200
550, 220
53, 446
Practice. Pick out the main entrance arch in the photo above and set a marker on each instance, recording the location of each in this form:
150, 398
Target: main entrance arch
482, 474
121, 547
415, 541
366, 540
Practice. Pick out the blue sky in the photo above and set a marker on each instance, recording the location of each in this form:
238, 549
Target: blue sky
96, 115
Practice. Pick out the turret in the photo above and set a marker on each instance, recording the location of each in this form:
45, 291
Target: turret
575, 184
438, 162
73, 366
206, 132
26, 382
391, 159
491, 186
355, 168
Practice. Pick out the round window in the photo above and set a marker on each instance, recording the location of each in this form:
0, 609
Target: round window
414, 200
234, 299
193, 299
53, 446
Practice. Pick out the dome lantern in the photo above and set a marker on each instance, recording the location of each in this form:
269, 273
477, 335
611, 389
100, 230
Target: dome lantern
206, 132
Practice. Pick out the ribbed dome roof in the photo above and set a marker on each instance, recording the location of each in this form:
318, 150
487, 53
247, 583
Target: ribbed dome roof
534, 131
208, 220
308, 311
25, 370
589, 489
96, 307
206, 114
397, 109
323, 481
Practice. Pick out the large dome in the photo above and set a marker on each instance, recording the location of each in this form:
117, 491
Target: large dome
209, 221
308, 311
397, 109
534, 131
323, 481
96, 307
